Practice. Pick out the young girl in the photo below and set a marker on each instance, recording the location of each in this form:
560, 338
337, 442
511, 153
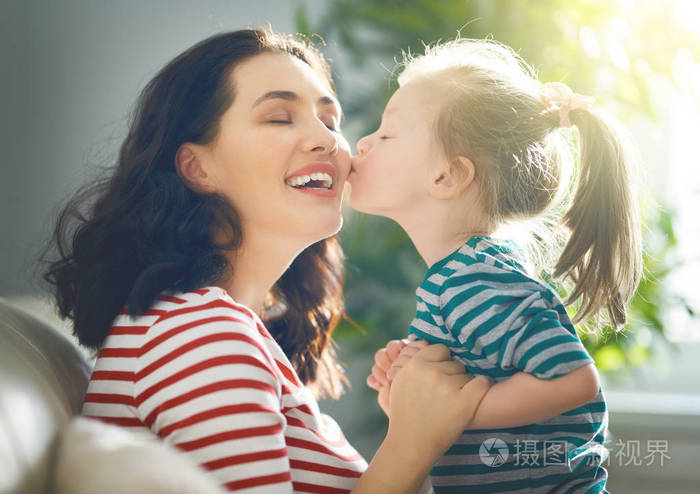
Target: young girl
469, 142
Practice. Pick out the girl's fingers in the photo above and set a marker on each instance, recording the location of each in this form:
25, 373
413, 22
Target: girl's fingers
393, 348
406, 354
393, 370
410, 350
379, 375
373, 383
418, 344
381, 359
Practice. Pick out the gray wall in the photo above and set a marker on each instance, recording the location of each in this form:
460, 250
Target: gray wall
69, 75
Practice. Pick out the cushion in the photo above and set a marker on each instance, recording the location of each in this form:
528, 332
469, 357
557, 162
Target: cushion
95, 457
43, 377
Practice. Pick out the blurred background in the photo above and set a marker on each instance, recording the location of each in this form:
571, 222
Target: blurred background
72, 71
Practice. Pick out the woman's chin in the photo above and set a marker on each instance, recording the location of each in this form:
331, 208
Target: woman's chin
321, 229
334, 227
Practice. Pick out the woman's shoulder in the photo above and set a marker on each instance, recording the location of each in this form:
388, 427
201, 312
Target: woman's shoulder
204, 325
202, 302
208, 307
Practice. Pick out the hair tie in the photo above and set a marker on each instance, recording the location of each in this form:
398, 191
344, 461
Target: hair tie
559, 96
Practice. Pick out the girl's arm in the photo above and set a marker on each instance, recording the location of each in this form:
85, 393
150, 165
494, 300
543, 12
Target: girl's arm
524, 399
432, 402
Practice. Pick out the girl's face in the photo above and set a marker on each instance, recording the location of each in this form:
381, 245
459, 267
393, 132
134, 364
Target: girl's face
391, 174
279, 157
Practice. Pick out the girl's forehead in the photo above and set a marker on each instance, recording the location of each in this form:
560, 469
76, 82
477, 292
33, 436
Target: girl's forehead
413, 99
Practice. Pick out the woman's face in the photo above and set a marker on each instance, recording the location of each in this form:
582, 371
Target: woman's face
279, 157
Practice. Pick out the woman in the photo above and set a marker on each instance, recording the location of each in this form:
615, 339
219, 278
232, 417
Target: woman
221, 209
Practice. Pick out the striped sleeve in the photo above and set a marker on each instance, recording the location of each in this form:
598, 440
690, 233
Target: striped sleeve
207, 384
519, 329
542, 341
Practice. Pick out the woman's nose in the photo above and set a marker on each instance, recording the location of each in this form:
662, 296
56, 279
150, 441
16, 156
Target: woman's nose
323, 139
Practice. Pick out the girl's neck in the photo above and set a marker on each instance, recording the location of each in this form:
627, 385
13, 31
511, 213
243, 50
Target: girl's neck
435, 246
439, 233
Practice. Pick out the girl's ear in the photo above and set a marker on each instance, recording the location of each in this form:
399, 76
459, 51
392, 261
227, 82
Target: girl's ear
189, 167
453, 179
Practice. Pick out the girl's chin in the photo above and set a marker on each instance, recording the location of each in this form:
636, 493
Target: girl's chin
358, 206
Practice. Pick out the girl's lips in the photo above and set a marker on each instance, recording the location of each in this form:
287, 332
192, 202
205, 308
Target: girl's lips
352, 163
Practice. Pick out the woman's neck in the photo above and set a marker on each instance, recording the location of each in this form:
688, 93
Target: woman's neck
256, 266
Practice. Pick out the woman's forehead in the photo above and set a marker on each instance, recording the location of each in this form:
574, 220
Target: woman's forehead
278, 73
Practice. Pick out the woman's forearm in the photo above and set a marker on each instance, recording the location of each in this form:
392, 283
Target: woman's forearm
397, 468
432, 401
524, 399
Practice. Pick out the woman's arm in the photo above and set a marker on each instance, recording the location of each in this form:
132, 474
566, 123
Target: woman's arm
524, 399
432, 402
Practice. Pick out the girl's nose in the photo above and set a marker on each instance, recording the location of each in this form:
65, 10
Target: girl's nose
363, 145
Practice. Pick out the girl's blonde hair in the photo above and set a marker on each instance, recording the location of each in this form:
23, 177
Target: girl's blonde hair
493, 110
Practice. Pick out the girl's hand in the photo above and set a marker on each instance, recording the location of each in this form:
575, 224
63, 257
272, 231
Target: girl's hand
433, 400
383, 359
406, 354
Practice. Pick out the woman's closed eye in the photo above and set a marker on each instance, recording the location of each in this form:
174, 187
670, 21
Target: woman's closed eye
279, 121
284, 119
331, 125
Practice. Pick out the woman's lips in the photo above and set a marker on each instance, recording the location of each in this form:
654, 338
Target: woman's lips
317, 173
316, 167
318, 192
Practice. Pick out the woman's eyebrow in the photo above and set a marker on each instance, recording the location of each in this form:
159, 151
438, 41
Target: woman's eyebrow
292, 96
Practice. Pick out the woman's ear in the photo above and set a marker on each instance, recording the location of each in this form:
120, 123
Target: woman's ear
453, 179
189, 167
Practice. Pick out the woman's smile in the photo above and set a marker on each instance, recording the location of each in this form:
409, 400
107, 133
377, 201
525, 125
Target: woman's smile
318, 178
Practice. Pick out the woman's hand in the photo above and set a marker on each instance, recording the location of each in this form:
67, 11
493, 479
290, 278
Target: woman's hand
433, 400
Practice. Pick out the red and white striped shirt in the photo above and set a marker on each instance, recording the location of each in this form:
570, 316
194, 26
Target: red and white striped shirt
202, 372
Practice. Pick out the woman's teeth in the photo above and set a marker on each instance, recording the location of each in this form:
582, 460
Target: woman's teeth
313, 180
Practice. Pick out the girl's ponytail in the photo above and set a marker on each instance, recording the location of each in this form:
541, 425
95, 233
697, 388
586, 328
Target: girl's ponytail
603, 253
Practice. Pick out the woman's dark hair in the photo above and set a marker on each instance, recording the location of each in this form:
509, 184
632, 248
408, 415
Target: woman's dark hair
123, 240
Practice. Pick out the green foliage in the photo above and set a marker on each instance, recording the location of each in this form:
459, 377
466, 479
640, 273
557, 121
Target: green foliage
596, 46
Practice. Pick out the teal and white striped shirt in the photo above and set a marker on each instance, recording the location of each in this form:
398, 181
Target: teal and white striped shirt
497, 320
